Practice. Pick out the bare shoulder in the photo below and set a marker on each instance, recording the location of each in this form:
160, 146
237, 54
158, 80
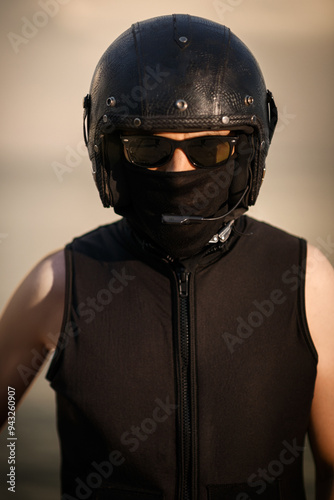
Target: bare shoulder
30, 325
319, 297
36, 307
320, 317
48, 280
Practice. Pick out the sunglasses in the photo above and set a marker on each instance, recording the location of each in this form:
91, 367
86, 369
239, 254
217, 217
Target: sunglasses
155, 151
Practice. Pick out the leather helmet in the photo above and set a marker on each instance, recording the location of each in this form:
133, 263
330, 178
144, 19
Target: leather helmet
176, 73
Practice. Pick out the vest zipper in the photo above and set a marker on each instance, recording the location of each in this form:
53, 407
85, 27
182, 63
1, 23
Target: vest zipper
186, 432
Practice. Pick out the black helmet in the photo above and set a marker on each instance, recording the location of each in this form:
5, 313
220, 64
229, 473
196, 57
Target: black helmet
175, 73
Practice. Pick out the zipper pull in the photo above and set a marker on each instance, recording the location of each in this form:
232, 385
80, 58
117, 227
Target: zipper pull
183, 277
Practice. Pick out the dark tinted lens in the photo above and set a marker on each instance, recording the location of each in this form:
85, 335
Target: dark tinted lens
209, 151
149, 151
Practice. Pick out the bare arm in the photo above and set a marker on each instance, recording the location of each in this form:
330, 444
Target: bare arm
30, 326
320, 316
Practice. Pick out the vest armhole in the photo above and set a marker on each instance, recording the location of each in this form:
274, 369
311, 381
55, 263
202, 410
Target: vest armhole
301, 300
66, 321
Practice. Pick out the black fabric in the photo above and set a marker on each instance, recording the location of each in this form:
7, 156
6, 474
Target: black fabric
124, 494
271, 491
116, 368
197, 192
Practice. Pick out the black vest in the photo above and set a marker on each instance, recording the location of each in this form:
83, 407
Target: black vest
189, 382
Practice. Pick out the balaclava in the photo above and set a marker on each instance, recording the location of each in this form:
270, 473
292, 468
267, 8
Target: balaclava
157, 195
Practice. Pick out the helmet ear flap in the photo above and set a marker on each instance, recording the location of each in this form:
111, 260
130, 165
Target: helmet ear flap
110, 177
101, 174
272, 115
242, 176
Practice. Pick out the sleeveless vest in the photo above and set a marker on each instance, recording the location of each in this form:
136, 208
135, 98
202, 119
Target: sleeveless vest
184, 382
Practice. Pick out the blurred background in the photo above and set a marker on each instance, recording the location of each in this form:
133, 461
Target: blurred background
49, 50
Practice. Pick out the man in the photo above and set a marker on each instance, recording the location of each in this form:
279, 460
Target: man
196, 346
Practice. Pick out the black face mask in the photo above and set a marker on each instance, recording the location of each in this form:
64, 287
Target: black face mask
198, 192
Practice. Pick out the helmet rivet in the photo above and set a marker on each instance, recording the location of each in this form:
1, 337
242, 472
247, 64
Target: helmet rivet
96, 148
253, 119
181, 104
225, 120
263, 144
111, 101
249, 100
183, 39
137, 122
105, 118
263, 174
